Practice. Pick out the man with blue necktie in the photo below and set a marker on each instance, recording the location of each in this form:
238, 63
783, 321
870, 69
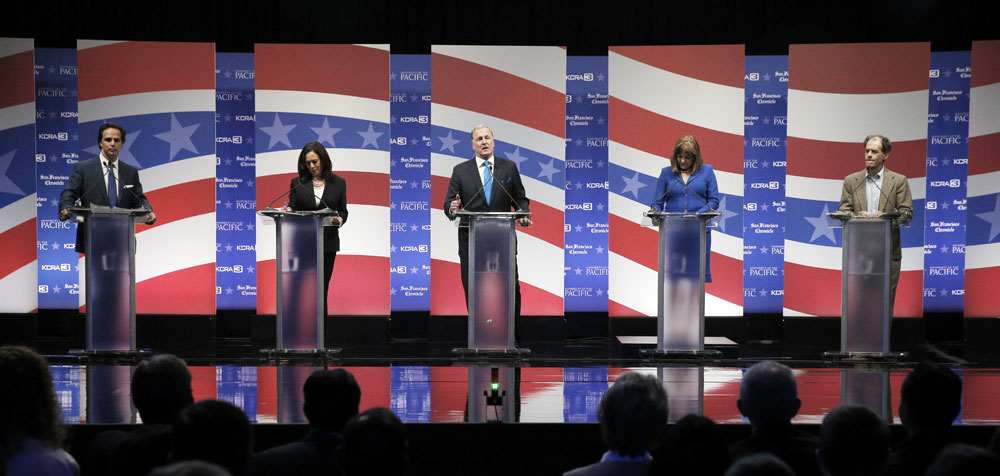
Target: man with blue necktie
485, 184
104, 181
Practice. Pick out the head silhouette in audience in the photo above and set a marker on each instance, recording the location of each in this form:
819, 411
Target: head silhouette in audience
190, 468
760, 464
31, 430
331, 398
769, 394
960, 459
213, 431
161, 388
374, 444
853, 440
930, 399
633, 414
693, 445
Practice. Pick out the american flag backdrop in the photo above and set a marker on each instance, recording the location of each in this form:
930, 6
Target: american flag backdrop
839, 94
657, 94
19, 267
163, 94
982, 262
337, 95
520, 93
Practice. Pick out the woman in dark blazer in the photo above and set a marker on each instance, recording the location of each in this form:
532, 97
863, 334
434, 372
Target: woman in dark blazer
688, 185
327, 190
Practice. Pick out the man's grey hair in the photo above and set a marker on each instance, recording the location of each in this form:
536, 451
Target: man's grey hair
472, 133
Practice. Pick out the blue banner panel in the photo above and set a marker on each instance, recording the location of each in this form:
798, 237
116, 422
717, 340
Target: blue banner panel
55, 153
586, 243
765, 143
410, 183
235, 196
947, 178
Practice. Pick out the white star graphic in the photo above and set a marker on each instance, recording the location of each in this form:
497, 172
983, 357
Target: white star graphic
325, 133
179, 137
632, 185
448, 143
278, 132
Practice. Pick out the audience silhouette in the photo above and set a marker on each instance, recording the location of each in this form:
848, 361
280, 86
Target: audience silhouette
31, 430
331, 399
769, 399
853, 441
760, 464
692, 446
632, 414
929, 401
214, 431
374, 445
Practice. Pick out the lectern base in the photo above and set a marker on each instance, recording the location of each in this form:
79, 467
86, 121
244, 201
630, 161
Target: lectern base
133, 355
486, 354
657, 354
865, 356
299, 354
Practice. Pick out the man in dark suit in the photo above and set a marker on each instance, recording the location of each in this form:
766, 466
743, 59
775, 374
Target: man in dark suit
331, 399
487, 183
878, 190
104, 181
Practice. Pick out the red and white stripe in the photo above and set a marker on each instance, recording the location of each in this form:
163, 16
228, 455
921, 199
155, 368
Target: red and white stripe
520, 93
838, 94
657, 94
342, 80
175, 258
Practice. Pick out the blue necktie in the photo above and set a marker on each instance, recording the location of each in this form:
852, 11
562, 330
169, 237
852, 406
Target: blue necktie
488, 182
112, 186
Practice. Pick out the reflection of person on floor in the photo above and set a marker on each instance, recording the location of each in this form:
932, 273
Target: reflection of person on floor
877, 190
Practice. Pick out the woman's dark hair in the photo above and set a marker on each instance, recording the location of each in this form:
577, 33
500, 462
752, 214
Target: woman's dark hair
324, 160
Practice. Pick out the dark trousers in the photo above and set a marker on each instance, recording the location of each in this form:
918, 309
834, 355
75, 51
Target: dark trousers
328, 259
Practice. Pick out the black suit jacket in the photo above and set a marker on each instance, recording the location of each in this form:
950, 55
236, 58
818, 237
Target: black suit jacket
334, 196
316, 453
87, 185
466, 183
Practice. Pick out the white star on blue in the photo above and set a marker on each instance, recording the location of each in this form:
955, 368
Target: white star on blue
632, 185
179, 137
325, 133
6, 184
820, 226
516, 157
726, 213
993, 217
548, 170
448, 143
278, 132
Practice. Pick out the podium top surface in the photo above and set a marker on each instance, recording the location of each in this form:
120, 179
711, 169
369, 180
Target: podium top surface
658, 214
276, 212
511, 214
102, 210
845, 216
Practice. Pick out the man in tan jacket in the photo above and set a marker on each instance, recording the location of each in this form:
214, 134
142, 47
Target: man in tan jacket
878, 190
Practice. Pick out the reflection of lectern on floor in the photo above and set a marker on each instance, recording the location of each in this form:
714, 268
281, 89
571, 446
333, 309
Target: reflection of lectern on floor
299, 270
685, 390
493, 394
492, 262
110, 278
680, 315
865, 319
867, 386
